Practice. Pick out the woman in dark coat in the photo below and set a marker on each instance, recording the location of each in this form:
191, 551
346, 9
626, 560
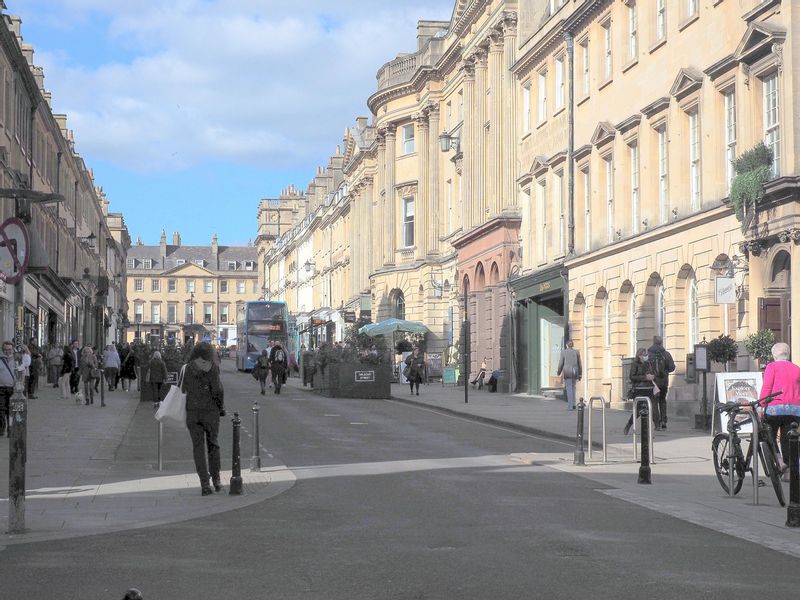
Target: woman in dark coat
65, 372
128, 368
157, 375
642, 377
205, 404
416, 369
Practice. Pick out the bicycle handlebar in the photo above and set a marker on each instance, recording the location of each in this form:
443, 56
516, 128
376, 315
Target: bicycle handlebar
737, 407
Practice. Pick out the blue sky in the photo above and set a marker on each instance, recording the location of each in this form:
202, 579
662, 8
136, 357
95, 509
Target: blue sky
190, 111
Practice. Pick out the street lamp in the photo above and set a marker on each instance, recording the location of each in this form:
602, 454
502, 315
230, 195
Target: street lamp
448, 141
309, 266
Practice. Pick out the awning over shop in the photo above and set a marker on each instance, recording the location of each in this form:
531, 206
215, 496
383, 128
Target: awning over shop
391, 325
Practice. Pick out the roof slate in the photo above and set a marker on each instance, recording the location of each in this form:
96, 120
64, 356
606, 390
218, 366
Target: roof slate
193, 253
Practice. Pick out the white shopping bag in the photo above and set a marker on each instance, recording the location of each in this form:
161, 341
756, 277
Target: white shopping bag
172, 410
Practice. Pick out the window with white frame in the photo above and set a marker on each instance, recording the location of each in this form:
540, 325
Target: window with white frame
180, 261
587, 210
693, 312
172, 313
772, 125
408, 138
694, 160
208, 286
558, 197
155, 312
633, 30
208, 313
730, 136
223, 286
608, 59
691, 8
609, 167
148, 263
661, 19
663, 176
199, 262
633, 151
526, 108
542, 95
190, 286
541, 219
231, 265
633, 329
189, 312
249, 265
138, 312
559, 82
131, 263
138, 285
408, 222
223, 313
240, 286
661, 310
172, 285
155, 285
585, 66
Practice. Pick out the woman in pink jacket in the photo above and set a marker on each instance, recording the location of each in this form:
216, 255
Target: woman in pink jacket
782, 375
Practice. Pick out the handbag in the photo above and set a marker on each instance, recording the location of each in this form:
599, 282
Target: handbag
406, 372
172, 410
95, 373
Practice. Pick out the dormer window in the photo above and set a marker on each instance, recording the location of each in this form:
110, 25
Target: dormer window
131, 263
148, 263
179, 262
249, 265
200, 262
231, 265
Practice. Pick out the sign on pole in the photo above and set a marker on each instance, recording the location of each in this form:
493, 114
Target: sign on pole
725, 290
14, 245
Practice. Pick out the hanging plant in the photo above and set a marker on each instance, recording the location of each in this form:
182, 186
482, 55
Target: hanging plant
759, 345
722, 349
752, 172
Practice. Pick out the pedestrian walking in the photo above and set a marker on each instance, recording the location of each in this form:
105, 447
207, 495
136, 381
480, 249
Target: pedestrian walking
663, 365
571, 370
55, 357
24, 366
65, 373
784, 376
278, 366
7, 381
127, 370
111, 363
415, 369
156, 374
205, 404
479, 378
642, 378
75, 367
261, 370
88, 372
35, 368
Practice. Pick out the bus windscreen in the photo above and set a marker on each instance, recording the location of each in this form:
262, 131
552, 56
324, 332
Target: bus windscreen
266, 312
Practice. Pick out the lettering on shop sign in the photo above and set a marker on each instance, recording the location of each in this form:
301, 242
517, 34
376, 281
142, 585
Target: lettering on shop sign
362, 376
543, 287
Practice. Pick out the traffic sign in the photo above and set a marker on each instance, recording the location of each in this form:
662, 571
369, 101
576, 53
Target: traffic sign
14, 245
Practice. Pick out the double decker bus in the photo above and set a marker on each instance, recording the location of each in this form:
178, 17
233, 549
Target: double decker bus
259, 323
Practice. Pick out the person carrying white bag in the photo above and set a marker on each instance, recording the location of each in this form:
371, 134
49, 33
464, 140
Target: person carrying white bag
172, 410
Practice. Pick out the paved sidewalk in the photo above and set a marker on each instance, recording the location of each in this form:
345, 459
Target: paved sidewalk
94, 470
684, 483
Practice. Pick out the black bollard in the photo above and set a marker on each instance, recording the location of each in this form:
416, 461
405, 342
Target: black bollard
579, 455
17, 459
793, 510
644, 467
235, 488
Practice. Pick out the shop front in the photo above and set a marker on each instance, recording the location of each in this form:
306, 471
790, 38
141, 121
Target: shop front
539, 309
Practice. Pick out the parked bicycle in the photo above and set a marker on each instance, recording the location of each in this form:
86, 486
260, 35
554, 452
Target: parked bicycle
743, 463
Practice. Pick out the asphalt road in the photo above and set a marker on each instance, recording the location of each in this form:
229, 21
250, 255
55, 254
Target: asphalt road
396, 502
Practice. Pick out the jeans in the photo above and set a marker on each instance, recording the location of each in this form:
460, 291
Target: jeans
204, 428
783, 424
660, 406
569, 386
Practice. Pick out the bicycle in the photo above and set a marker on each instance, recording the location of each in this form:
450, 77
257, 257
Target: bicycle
743, 463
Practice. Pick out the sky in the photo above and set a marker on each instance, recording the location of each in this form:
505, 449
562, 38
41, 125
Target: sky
191, 111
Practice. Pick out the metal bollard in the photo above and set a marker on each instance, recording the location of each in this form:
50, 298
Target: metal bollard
579, 454
17, 459
793, 510
644, 467
236, 468
255, 461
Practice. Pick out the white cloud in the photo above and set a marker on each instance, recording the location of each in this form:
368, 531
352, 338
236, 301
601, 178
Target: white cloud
265, 82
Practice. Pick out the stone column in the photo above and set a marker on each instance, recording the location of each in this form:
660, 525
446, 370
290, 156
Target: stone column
390, 202
479, 172
379, 246
508, 158
468, 144
433, 185
495, 173
369, 225
794, 287
424, 210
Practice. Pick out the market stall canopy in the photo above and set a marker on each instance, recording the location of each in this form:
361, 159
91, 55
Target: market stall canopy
391, 325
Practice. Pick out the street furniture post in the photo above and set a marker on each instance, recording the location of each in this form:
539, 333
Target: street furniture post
255, 461
578, 458
644, 467
236, 468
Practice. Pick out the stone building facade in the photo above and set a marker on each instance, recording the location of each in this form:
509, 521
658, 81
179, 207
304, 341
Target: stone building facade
189, 292
74, 286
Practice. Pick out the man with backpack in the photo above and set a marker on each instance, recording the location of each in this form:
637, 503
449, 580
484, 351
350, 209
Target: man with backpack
278, 364
663, 366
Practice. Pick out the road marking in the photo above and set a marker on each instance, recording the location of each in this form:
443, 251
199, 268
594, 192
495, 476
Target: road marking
359, 423
333, 415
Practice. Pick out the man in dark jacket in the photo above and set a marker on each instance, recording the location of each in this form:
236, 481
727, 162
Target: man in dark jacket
663, 365
205, 404
278, 364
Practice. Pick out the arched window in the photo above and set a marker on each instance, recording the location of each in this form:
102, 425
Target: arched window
606, 323
693, 312
661, 310
633, 331
399, 305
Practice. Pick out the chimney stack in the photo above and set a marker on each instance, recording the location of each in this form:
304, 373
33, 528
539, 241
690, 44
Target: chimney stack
163, 245
215, 252
176, 238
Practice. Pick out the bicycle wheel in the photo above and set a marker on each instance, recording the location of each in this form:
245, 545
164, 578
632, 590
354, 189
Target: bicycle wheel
770, 462
719, 450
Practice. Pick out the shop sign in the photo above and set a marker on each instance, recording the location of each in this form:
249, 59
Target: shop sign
725, 290
349, 316
365, 376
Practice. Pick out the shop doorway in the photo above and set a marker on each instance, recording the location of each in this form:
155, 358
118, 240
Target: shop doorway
775, 309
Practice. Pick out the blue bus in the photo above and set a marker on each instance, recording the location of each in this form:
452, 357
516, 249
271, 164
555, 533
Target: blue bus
259, 323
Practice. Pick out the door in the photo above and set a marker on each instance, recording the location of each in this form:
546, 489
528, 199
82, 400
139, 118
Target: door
773, 314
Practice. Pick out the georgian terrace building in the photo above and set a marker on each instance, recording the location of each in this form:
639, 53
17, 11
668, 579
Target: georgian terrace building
632, 114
